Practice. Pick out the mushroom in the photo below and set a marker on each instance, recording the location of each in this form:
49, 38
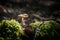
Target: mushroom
23, 16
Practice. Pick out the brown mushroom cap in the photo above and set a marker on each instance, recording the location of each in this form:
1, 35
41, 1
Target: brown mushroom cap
23, 15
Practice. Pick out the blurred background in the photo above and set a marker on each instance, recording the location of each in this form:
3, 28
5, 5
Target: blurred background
42, 8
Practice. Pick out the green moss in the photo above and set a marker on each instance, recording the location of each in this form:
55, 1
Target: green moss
49, 30
10, 30
33, 25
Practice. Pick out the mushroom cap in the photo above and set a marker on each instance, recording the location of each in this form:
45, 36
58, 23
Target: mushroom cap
23, 15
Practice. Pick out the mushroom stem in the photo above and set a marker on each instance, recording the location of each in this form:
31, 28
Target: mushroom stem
23, 22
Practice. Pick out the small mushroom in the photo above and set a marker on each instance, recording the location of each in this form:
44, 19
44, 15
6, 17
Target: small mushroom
23, 16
